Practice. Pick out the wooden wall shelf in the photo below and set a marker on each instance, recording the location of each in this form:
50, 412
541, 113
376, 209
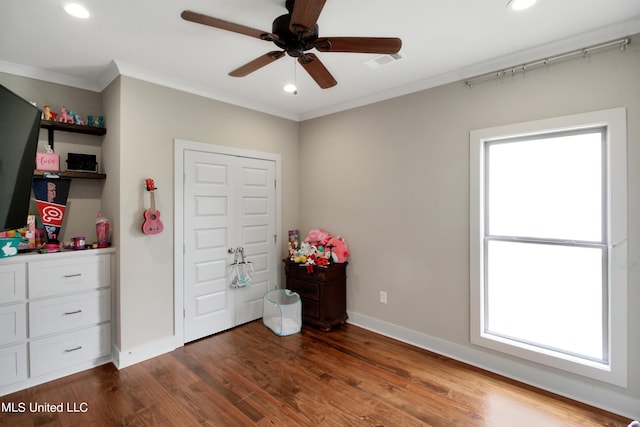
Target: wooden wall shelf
71, 174
52, 126
68, 127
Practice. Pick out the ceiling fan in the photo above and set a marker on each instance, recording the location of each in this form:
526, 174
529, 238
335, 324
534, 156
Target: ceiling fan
296, 33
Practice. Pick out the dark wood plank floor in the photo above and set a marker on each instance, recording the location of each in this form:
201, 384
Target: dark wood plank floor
249, 376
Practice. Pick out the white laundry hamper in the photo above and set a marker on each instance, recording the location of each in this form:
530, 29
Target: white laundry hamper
282, 312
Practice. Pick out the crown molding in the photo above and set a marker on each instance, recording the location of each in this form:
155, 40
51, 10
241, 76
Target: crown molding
47, 76
140, 73
626, 29
117, 68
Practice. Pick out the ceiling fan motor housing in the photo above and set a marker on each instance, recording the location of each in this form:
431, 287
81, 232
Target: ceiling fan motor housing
294, 44
295, 33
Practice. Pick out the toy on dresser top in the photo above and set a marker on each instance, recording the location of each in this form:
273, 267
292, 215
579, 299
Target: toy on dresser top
318, 248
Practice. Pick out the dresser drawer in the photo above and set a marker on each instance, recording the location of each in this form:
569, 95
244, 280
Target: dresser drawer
323, 293
64, 351
319, 274
13, 364
53, 315
13, 282
308, 290
310, 308
62, 276
13, 324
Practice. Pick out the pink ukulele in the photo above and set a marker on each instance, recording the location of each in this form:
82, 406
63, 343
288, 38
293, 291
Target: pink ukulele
152, 223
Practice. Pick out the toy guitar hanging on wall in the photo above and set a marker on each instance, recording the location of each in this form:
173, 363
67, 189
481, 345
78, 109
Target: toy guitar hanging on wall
152, 223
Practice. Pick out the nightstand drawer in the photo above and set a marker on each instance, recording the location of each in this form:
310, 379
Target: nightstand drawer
74, 311
310, 308
319, 274
13, 324
64, 351
308, 290
13, 282
50, 278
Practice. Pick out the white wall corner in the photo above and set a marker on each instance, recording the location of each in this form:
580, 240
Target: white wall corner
110, 73
123, 359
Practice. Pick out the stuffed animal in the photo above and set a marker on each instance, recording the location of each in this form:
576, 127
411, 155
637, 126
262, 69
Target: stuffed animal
303, 254
322, 261
337, 247
317, 237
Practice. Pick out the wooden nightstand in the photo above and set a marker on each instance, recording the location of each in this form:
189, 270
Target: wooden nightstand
323, 293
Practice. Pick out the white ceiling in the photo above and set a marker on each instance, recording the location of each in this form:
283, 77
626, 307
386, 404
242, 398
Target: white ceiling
443, 41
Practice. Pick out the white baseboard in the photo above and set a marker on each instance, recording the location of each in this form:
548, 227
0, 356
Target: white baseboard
34, 381
525, 372
122, 359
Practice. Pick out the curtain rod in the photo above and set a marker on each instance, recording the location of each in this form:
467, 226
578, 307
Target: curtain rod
528, 65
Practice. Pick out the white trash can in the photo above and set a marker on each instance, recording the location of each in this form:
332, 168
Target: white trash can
282, 312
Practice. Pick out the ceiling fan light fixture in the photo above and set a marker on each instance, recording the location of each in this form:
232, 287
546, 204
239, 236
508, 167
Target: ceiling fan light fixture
76, 10
294, 34
291, 88
520, 4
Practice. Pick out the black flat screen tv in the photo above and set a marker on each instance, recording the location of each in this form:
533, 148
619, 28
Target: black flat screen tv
19, 130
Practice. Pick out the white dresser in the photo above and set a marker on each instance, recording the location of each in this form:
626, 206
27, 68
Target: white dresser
55, 315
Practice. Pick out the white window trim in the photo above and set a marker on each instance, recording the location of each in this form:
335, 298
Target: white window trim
615, 371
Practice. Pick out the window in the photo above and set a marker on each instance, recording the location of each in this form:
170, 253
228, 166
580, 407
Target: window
548, 242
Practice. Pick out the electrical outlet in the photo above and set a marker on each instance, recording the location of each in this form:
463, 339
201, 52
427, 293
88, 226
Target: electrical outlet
383, 297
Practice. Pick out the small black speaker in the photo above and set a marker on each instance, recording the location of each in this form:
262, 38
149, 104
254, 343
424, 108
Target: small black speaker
82, 162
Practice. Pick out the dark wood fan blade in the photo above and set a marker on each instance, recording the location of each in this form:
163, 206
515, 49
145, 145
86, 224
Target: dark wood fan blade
382, 45
317, 70
256, 64
305, 14
199, 18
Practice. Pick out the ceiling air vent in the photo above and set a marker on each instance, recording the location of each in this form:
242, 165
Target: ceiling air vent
383, 60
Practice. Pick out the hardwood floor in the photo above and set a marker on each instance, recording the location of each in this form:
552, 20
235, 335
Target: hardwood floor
249, 376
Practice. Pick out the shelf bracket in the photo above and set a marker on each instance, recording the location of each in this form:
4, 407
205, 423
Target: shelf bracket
50, 136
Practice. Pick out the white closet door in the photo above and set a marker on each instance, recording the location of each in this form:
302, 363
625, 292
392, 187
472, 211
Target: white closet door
229, 202
255, 228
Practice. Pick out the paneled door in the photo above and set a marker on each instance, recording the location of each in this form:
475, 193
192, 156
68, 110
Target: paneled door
229, 202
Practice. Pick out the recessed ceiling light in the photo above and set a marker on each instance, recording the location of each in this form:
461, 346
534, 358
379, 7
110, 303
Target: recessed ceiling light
77, 10
520, 4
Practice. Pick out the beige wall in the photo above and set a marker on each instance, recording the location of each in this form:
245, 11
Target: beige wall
393, 179
151, 118
142, 121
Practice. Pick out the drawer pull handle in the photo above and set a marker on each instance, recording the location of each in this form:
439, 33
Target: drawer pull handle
67, 276
69, 313
73, 349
